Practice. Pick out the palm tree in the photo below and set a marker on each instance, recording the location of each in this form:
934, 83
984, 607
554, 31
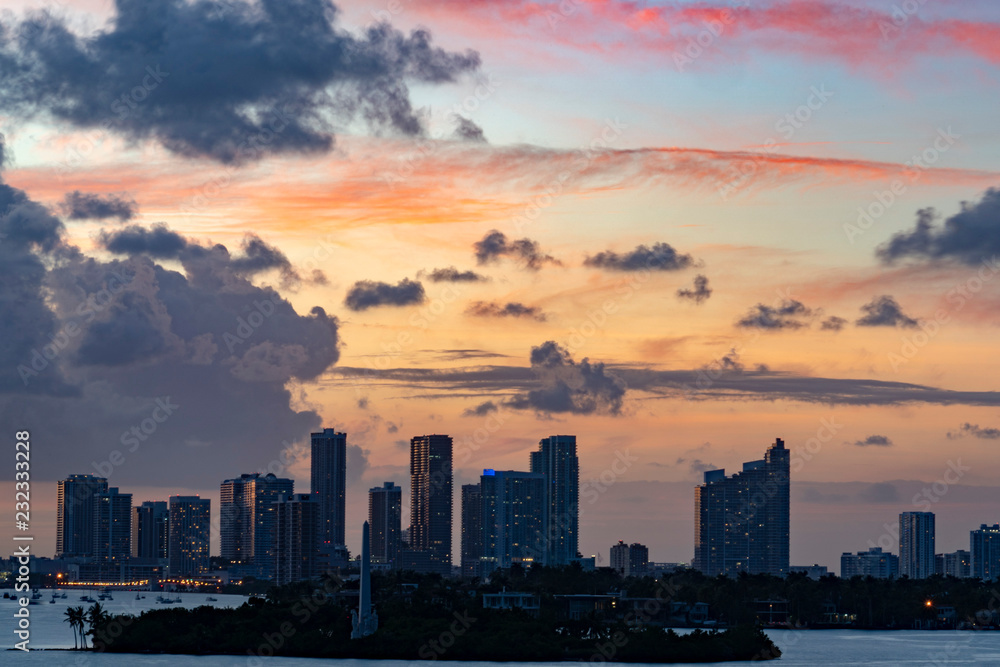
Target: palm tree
71, 619
95, 617
77, 622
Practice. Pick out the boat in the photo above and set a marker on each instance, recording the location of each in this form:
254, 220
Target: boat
211, 599
86, 598
52, 601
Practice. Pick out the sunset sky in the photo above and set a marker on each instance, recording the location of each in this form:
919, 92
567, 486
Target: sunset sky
677, 230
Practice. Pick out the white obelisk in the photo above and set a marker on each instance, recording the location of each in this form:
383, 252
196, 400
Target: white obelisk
365, 620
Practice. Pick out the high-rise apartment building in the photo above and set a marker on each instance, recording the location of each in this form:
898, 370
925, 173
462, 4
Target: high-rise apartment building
556, 459
984, 548
514, 508
246, 519
955, 564
472, 530
328, 484
742, 521
630, 560
916, 544
75, 514
431, 499
112, 528
872, 563
190, 526
385, 516
296, 538
150, 530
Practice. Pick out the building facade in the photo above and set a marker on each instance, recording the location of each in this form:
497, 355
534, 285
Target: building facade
112, 529
246, 520
514, 510
955, 564
150, 530
872, 563
190, 527
742, 521
984, 548
556, 459
472, 529
630, 560
75, 514
296, 538
431, 499
385, 516
916, 544
328, 481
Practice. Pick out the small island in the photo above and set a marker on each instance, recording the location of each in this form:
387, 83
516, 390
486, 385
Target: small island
428, 619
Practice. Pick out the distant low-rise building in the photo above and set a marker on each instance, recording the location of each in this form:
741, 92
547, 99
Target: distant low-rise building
814, 571
630, 560
872, 563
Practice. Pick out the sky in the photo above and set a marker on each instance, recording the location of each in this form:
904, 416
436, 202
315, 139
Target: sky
677, 230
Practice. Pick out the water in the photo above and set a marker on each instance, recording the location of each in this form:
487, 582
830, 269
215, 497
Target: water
802, 648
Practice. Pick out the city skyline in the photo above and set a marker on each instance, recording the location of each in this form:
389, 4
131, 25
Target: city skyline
758, 495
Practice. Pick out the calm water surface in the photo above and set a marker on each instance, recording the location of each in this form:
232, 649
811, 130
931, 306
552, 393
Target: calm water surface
802, 648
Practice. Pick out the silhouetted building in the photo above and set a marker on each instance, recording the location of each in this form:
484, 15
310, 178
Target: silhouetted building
296, 538
328, 484
514, 515
385, 510
630, 560
954, 564
916, 544
742, 521
872, 563
75, 514
984, 548
246, 520
556, 459
112, 526
472, 529
150, 530
431, 499
190, 526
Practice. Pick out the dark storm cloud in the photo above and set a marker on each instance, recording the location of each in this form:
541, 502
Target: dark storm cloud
259, 78
785, 316
481, 410
259, 256
158, 241
466, 130
90, 348
833, 323
699, 293
659, 257
566, 386
366, 294
883, 311
874, 441
453, 275
969, 236
512, 309
975, 431
495, 245
84, 206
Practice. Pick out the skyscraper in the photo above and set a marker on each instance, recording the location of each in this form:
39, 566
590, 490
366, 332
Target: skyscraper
246, 519
431, 499
75, 514
328, 482
296, 538
150, 530
190, 525
514, 518
916, 544
472, 529
741, 523
556, 459
984, 548
385, 508
112, 528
